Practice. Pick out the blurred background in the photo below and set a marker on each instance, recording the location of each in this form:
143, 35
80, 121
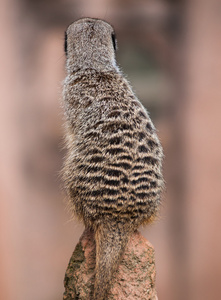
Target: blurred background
171, 53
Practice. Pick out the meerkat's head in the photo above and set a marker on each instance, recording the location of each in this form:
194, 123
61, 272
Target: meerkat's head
90, 43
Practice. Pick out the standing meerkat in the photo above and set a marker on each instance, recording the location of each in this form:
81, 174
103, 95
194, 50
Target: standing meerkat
113, 168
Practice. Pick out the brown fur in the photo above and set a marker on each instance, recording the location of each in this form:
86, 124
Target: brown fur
113, 169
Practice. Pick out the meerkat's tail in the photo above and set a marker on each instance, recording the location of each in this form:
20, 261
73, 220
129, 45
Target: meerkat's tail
111, 240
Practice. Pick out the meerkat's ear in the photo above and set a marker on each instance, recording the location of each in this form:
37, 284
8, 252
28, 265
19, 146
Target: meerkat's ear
113, 36
66, 43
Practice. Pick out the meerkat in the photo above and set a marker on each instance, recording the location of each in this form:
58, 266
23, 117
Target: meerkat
113, 167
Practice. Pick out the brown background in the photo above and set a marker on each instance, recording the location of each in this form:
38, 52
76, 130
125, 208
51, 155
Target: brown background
171, 52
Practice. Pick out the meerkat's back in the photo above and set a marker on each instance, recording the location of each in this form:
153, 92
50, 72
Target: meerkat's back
113, 169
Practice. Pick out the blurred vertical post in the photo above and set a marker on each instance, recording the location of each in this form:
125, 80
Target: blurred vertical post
175, 162
203, 146
9, 180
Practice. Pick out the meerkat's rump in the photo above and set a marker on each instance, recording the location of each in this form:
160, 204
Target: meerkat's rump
116, 156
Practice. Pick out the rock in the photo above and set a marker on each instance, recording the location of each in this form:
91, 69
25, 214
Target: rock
135, 278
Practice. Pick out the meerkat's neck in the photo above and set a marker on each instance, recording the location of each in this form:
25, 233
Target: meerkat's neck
90, 59
93, 65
